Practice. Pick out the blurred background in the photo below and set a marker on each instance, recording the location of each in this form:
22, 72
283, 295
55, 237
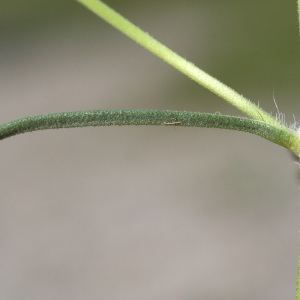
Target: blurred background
147, 212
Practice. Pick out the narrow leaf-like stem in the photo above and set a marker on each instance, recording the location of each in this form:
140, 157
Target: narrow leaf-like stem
187, 68
147, 117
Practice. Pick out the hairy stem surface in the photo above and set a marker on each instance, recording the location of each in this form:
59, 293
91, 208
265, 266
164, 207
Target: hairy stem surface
146, 117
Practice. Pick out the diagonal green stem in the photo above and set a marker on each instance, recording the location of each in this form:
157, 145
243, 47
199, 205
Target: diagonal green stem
187, 68
148, 117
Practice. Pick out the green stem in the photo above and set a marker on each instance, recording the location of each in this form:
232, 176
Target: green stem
187, 68
282, 137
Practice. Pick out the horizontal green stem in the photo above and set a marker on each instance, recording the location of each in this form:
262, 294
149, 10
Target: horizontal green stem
283, 137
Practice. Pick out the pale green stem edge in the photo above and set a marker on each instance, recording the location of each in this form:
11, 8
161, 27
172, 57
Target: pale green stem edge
298, 278
144, 117
298, 274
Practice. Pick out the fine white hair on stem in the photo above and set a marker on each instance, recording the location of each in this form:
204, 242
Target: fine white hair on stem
295, 126
279, 115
